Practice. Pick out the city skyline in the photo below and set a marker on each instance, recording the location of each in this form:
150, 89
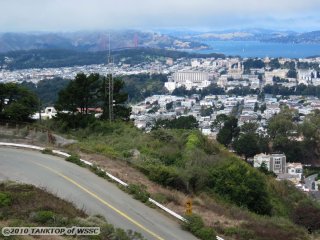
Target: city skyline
204, 15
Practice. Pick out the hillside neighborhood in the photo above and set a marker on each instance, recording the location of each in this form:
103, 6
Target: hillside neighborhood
187, 96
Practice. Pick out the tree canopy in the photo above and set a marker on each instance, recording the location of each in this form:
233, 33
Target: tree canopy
47, 90
228, 128
91, 92
16, 102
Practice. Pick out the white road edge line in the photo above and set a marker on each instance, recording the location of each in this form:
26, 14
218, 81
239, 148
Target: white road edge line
172, 213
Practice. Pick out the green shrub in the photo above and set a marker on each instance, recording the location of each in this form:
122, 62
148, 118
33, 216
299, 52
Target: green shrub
194, 223
95, 169
47, 151
5, 199
75, 159
44, 217
139, 192
205, 233
193, 141
239, 183
165, 175
196, 226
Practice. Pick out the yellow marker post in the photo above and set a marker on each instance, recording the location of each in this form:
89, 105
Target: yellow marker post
189, 207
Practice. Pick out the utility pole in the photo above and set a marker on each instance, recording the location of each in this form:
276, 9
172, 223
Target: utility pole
39, 106
110, 82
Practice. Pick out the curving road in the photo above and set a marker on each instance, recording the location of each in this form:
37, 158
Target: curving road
87, 191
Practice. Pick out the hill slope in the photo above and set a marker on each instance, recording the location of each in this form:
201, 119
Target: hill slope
222, 185
91, 41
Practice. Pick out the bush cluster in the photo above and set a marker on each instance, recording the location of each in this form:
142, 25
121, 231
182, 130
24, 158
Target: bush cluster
47, 151
5, 199
139, 192
44, 217
75, 159
196, 226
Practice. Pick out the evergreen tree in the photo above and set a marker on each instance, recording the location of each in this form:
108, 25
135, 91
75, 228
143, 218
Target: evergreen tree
17, 103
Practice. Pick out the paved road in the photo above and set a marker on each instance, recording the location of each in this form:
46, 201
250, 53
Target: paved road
310, 182
87, 191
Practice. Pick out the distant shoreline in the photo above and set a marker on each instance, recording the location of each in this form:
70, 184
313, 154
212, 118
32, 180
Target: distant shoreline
261, 49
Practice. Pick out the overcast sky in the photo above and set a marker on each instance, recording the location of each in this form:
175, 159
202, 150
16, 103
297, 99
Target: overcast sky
73, 15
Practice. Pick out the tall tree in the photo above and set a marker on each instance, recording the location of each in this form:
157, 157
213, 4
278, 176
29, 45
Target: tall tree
247, 145
17, 103
82, 93
310, 129
219, 121
283, 132
229, 131
92, 91
249, 127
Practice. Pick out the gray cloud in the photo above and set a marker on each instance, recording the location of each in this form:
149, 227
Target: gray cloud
66, 15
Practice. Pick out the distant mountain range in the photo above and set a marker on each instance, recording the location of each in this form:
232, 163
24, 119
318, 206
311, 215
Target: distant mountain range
93, 41
250, 35
131, 39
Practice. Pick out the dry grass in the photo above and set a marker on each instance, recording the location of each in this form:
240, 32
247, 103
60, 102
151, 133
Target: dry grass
204, 205
23, 202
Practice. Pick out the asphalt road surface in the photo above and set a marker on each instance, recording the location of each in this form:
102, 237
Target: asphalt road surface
87, 191
309, 180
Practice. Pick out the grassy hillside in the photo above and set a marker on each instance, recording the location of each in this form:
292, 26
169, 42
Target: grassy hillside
26, 205
258, 206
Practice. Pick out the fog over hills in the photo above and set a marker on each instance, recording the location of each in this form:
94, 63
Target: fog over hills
92, 41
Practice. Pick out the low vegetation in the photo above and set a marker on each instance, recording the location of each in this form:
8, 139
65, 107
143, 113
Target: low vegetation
75, 159
139, 192
18, 208
185, 160
47, 151
196, 225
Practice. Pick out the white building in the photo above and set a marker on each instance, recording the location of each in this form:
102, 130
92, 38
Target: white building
261, 158
48, 113
188, 79
275, 162
306, 76
295, 169
281, 73
255, 83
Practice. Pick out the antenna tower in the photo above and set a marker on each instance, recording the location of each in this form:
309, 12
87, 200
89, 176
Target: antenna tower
136, 40
110, 81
